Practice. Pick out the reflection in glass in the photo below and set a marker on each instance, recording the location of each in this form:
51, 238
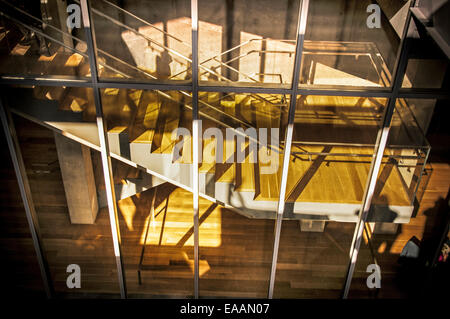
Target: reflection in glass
155, 217
35, 40
143, 42
70, 110
312, 259
396, 216
22, 277
427, 66
240, 167
67, 185
250, 41
352, 43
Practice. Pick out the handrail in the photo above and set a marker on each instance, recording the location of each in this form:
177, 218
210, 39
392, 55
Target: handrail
147, 23
153, 77
105, 53
245, 43
127, 76
57, 41
151, 40
161, 45
417, 149
356, 155
69, 35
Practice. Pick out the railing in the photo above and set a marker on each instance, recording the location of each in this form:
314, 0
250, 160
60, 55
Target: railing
183, 57
205, 115
106, 54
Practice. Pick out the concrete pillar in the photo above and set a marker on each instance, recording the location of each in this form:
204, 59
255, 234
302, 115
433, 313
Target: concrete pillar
312, 225
78, 177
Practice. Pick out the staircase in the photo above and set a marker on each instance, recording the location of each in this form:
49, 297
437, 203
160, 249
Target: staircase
326, 182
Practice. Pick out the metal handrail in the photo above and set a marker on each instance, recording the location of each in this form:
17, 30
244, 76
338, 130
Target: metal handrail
151, 40
234, 48
69, 35
127, 76
162, 46
147, 23
104, 53
245, 43
357, 155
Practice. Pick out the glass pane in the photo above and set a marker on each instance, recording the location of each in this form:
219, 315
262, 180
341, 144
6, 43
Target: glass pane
69, 110
22, 277
240, 167
155, 217
427, 66
35, 40
312, 259
350, 121
67, 184
406, 219
406, 222
333, 143
143, 40
235, 253
404, 160
352, 42
247, 41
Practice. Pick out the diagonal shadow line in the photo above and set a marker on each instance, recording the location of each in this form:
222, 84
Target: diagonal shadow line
163, 222
238, 169
222, 168
190, 232
342, 114
383, 177
301, 184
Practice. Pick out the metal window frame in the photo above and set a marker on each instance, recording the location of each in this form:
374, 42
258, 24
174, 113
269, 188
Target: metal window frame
380, 146
27, 198
195, 140
392, 93
104, 149
301, 27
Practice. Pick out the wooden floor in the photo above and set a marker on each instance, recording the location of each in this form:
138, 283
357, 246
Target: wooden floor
235, 252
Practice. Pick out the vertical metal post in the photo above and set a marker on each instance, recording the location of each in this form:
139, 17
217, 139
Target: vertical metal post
195, 137
25, 192
104, 146
301, 27
380, 146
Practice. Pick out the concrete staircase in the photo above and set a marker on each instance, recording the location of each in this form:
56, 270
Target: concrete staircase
140, 128
140, 131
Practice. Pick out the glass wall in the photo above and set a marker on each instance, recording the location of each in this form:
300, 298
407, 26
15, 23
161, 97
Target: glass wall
67, 187
352, 43
151, 44
348, 45
36, 40
411, 209
20, 266
241, 167
425, 58
332, 149
65, 109
247, 41
152, 129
